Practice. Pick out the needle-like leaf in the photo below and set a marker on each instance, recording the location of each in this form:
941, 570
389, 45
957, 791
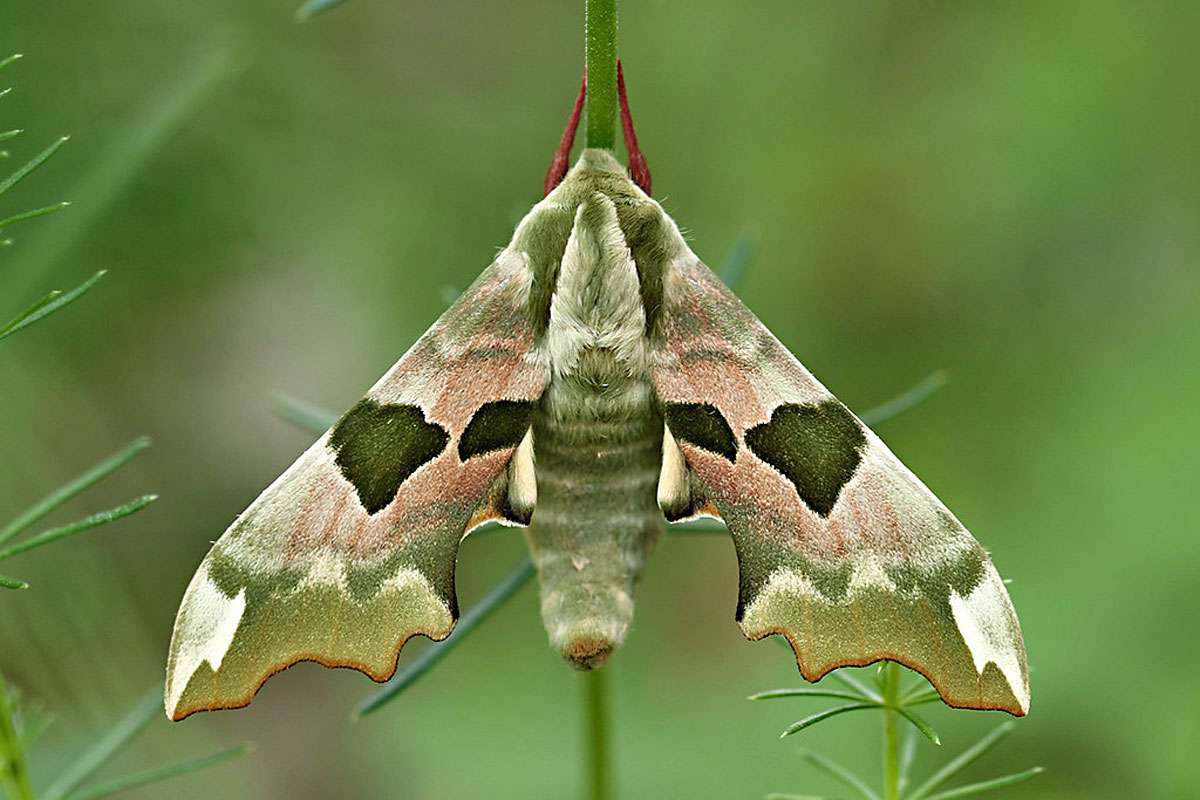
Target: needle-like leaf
821, 716
103, 751
436, 652
962, 760
920, 724
844, 677
311, 8
47, 306
4, 62
840, 774
311, 418
908, 754
6, 135
773, 694
12, 583
79, 526
157, 774
906, 400
738, 258
29, 166
33, 214
68, 490
920, 697
987, 786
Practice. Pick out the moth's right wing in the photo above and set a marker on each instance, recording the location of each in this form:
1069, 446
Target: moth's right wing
351, 551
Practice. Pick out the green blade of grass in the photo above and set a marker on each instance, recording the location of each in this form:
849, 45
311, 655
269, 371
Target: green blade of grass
307, 416
69, 490
987, 786
4, 62
32, 214
12, 583
23, 171
773, 694
840, 774
133, 723
6, 135
920, 724
821, 716
48, 306
962, 760
312, 8
79, 526
905, 400
406, 677
157, 774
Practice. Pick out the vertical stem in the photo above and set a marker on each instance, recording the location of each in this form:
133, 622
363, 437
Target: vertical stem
891, 739
600, 33
14, 773
596, 721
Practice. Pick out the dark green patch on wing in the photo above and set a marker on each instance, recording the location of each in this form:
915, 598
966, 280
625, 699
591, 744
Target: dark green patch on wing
817, 447
703, 425
379, 446
498, 425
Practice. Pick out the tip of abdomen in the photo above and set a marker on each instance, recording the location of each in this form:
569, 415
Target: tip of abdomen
586, 621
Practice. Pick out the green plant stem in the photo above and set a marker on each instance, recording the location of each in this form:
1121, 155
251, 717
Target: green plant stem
600, 33
14, 772
891, 738
599, 786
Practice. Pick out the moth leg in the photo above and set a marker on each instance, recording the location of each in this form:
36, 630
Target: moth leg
639, 170
558, 165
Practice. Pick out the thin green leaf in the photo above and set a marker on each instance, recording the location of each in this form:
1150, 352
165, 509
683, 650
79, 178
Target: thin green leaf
4, 62
738, 258
808, 692
6, 135
33, 214
157, 774
846, 679
987, 786
920, 724
906, 400
216, 60
920, 697
307, 416
12, 583
406, 677
962, 760
840, 773
14, 770
312, 8
48, 306
79, 526
68, 490
31, 165
109, 745
821, 716
908, 754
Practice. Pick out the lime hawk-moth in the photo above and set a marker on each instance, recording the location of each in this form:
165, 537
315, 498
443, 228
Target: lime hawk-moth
595, 383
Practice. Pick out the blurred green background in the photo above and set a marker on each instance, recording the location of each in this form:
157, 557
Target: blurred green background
1007, 191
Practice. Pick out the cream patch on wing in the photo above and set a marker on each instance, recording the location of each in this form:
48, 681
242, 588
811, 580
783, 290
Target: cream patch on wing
674, 488
205, 634
984, 619
522, 476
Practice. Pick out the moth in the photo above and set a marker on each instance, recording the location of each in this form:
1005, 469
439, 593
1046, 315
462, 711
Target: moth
594, 384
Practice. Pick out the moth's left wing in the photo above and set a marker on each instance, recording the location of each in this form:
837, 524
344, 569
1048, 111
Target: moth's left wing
842, 549
352, 550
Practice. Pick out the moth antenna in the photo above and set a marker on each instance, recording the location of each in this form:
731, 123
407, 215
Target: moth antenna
558, 165
639, 170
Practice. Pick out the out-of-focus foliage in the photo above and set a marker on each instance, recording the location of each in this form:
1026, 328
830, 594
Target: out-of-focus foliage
1009, 192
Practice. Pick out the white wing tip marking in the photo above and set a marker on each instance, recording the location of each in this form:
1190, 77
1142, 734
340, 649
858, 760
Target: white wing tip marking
205, 634
984, 619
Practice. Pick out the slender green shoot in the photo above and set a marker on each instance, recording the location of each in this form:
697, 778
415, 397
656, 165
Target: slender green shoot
988, 785
79, 526
596, 730
739, 257
52, 302
12, 583
33, 213
157, 774
304, 415
25, 170
963, 760
840, 774
821, 716
906, 400
498, 596
107, 746
69, 490
14, 769
600, 52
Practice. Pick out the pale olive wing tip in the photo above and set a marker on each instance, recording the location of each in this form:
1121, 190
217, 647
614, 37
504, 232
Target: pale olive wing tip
1017, 706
